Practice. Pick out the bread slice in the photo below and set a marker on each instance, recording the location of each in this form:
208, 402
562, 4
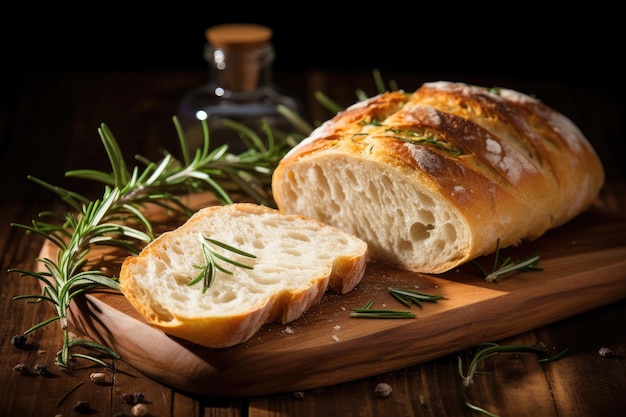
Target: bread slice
296, 261
437, 177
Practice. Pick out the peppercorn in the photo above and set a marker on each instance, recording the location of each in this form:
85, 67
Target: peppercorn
82, 407
41, 369
19, 340
128, 398
132, 397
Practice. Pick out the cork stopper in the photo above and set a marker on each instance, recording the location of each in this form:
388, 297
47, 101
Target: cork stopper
238, 36
244, 47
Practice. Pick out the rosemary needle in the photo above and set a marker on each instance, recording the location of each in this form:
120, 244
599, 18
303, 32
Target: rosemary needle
381, 314
408, 297
67, 394
527, 264
367, 312
520, 265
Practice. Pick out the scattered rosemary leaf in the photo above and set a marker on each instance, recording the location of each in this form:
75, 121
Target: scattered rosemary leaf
487, 350
504, 266
408, 297
381, 314
367, 312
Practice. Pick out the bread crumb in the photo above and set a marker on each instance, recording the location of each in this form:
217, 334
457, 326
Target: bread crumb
335, 338
604, 352
383, 390
337, 328
139, 410
288, 330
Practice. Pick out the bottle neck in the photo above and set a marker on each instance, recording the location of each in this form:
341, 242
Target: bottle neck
240, 70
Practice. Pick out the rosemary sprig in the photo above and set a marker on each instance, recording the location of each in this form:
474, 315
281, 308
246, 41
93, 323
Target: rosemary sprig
404, 296
211, 266
504, 266
487, 350
413, 137
117, 219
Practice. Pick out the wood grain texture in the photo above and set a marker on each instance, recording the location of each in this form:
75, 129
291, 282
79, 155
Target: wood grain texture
584, 267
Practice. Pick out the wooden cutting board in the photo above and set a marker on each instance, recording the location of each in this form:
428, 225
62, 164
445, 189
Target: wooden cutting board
584, 267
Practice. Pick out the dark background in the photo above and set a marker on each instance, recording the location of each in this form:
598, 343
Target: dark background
578, 51
572, 46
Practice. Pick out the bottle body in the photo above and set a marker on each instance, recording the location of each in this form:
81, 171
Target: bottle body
249, 108
240, 89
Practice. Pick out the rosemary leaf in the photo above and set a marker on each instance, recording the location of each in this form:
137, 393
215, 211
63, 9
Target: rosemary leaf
381, 314
41, 324
79, 341
91, 358
327, 102
116, 158
504, 266
230, 248
34, 298
517, 266
295, 119
554, 357
378, 80
367, 312
40, 276
403, 300
230, 261
412, 296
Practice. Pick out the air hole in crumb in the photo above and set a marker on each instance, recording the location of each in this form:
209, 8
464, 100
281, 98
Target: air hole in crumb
420, 231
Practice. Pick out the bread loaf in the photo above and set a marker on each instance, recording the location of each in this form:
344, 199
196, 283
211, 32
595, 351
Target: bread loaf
437, 177
296, 261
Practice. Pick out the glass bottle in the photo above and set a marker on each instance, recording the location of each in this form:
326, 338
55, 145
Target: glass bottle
239, 88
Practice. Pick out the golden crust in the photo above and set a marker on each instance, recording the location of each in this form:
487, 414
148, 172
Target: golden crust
509, 166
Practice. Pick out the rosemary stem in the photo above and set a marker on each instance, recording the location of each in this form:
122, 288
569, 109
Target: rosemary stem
513, 267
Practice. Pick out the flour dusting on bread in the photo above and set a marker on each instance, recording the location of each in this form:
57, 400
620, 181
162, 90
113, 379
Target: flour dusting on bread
437, 177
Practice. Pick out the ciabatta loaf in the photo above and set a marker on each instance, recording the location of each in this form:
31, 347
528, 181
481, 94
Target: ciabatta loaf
434, 178
296, 260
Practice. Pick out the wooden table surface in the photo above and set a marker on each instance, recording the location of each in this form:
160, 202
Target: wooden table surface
48, 124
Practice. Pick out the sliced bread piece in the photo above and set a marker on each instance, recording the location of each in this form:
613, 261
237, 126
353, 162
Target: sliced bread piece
297, 259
